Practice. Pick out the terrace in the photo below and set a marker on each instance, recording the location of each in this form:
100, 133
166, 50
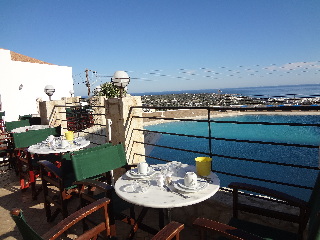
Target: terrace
123, 121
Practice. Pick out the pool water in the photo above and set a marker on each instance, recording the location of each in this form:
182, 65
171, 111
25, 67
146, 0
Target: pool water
281, 134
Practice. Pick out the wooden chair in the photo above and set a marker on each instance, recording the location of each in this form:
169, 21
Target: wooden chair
103, 227
6, 148
62, 179
89, 165
241, 229
2, 125
27, 164
171, 231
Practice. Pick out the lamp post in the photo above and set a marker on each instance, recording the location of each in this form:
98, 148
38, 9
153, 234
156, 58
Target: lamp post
49, 90
121, 80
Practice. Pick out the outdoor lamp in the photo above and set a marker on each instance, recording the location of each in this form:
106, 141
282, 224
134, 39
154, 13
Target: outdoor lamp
49, 90
71, 92
121, 80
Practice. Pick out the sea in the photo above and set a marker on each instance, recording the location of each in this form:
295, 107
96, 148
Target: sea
301, 90
274, 153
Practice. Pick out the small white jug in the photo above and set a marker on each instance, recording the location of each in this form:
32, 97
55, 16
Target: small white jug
64, 143
190, 180
143, 168
160, 180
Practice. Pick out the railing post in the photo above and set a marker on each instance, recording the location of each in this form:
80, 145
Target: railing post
319, 158
209, 129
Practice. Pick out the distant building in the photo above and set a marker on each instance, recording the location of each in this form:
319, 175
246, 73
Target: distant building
22, 82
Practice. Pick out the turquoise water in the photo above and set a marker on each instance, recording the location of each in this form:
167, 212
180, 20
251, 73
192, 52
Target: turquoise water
282, 134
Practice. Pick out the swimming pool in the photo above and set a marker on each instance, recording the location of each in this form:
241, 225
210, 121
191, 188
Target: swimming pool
278, 133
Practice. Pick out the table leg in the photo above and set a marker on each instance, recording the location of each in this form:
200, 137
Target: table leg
161, 218
139, 220
169, 214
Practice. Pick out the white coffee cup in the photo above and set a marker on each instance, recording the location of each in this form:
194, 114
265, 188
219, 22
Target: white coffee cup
190, 180
143, 168
64, 143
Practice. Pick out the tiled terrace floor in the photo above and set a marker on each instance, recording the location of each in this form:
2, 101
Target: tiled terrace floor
219, 208
11, 196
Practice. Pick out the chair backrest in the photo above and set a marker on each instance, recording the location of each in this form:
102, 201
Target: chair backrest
26, 231
26, 139
15, 124
315, 195
314, 220
314, 204
95, 161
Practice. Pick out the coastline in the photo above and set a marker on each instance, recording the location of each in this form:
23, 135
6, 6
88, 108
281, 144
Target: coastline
233, 113
153, 138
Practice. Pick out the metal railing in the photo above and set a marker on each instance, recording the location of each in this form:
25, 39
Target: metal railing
89, 125
314, 168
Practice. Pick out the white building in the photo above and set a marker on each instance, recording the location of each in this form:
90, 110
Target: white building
22, 82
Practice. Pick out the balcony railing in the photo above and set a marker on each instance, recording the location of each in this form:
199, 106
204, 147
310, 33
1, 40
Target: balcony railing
210, 139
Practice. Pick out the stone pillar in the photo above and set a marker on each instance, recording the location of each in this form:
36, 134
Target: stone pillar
50, 114
119, 111
54, 113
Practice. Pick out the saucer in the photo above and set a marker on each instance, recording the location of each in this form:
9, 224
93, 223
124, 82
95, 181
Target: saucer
140, 187
133, 173
180, 186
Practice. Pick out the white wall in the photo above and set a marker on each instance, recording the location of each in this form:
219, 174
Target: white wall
34, 77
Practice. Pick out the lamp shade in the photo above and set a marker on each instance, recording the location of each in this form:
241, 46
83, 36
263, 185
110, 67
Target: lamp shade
49, 90
120, 79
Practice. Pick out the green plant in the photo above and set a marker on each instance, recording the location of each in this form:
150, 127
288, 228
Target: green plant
109, 90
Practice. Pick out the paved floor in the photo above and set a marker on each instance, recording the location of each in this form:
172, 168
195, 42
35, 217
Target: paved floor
11, 197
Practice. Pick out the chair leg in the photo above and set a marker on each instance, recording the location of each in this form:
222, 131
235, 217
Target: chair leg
235, 203
46, 202
64, 206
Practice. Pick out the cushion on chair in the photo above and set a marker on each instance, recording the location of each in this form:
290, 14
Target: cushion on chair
26, 139
15, 124
26, 231
265, 232
93, 162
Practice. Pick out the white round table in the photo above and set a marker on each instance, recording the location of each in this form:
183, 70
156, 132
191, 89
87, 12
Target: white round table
160, 198
29, 128
75, 145
157, 197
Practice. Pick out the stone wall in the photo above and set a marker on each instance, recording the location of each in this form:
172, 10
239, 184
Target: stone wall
54, 112
119, 111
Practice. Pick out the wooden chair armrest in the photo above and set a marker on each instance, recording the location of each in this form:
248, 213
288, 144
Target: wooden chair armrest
94, 183
170, 231
77, 216
293, 201
50, 167
223, 229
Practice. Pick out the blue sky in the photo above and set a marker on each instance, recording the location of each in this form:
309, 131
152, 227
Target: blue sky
170, 44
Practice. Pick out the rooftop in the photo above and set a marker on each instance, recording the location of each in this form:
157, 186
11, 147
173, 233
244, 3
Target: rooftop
23, 58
